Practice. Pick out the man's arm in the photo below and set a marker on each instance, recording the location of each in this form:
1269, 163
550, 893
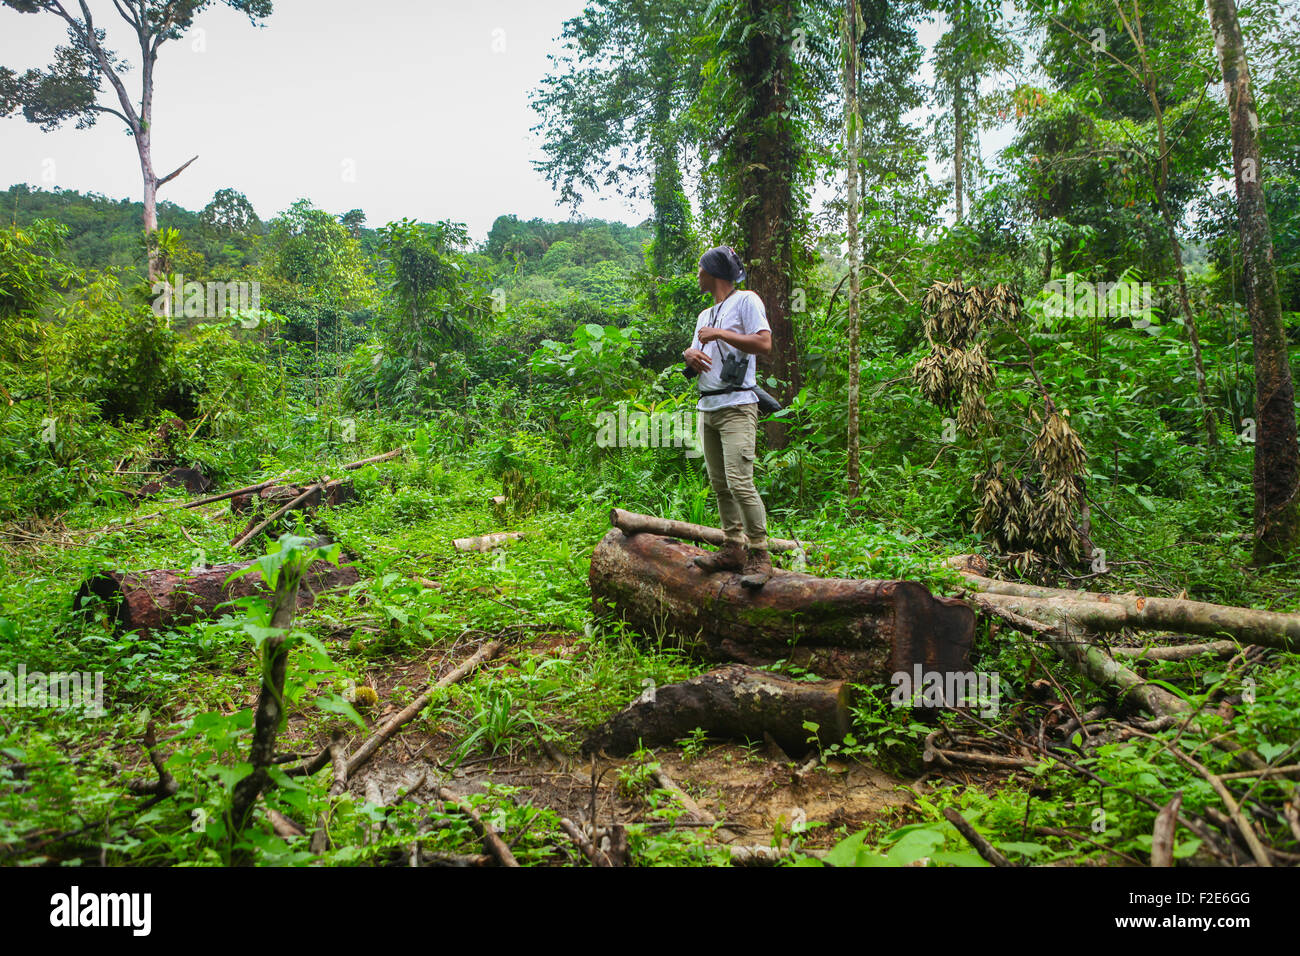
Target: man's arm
760, 343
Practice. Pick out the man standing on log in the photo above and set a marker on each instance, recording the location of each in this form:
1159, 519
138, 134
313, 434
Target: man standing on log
728, 336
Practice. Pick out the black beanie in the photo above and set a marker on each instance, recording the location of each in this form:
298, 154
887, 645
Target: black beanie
723, 262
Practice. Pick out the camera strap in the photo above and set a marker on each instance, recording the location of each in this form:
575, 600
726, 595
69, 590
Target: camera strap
714, 316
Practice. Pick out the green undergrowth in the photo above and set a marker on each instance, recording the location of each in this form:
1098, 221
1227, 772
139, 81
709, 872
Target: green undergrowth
420, 606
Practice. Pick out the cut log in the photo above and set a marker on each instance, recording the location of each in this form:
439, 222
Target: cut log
734, 702
630, 522
145, 600
864, 631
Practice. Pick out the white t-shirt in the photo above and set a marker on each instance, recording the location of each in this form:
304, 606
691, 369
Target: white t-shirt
741, 312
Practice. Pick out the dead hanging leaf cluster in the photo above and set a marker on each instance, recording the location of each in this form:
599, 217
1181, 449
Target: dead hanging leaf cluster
1034, 520
1031, 519
524, 493
957, 371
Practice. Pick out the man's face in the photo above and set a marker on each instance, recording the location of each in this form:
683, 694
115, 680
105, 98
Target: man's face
706, 281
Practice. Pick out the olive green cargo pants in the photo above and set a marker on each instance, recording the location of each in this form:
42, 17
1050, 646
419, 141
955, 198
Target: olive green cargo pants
728, 436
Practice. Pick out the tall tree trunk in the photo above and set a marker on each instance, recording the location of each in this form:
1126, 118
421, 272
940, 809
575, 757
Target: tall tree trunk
1160, 176
851, 129
767, 143
662, 189
958, 149
1184, 301
1277, 453
144, 142
151, 214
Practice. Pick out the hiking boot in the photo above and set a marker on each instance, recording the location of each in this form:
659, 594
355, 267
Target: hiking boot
758, 569
730, 558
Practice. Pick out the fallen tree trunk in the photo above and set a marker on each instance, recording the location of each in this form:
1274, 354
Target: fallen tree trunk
145, 600
864, 631
736, 702
630, 522
1112, 613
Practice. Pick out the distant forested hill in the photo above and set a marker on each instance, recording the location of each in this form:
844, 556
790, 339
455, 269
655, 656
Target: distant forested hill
104, 232
534, 259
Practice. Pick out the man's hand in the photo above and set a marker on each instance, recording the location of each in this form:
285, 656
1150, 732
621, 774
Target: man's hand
697, 360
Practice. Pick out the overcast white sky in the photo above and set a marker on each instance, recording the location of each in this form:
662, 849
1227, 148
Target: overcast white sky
398, 107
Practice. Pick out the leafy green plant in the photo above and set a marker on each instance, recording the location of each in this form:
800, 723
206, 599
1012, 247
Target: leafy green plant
497, 721
693, 744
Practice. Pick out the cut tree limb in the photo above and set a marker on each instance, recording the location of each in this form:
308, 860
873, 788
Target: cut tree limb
982, 846
165, 785
486, 542
334, 493
376, 740
320, 841
588, 848
694, 809
864, 631
1162, 834
1235, 811
1115, 612
685, 799
250, 533
1178, 652
735, 701
491, 842
253, 489
768, 855
988, 761
631, 522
